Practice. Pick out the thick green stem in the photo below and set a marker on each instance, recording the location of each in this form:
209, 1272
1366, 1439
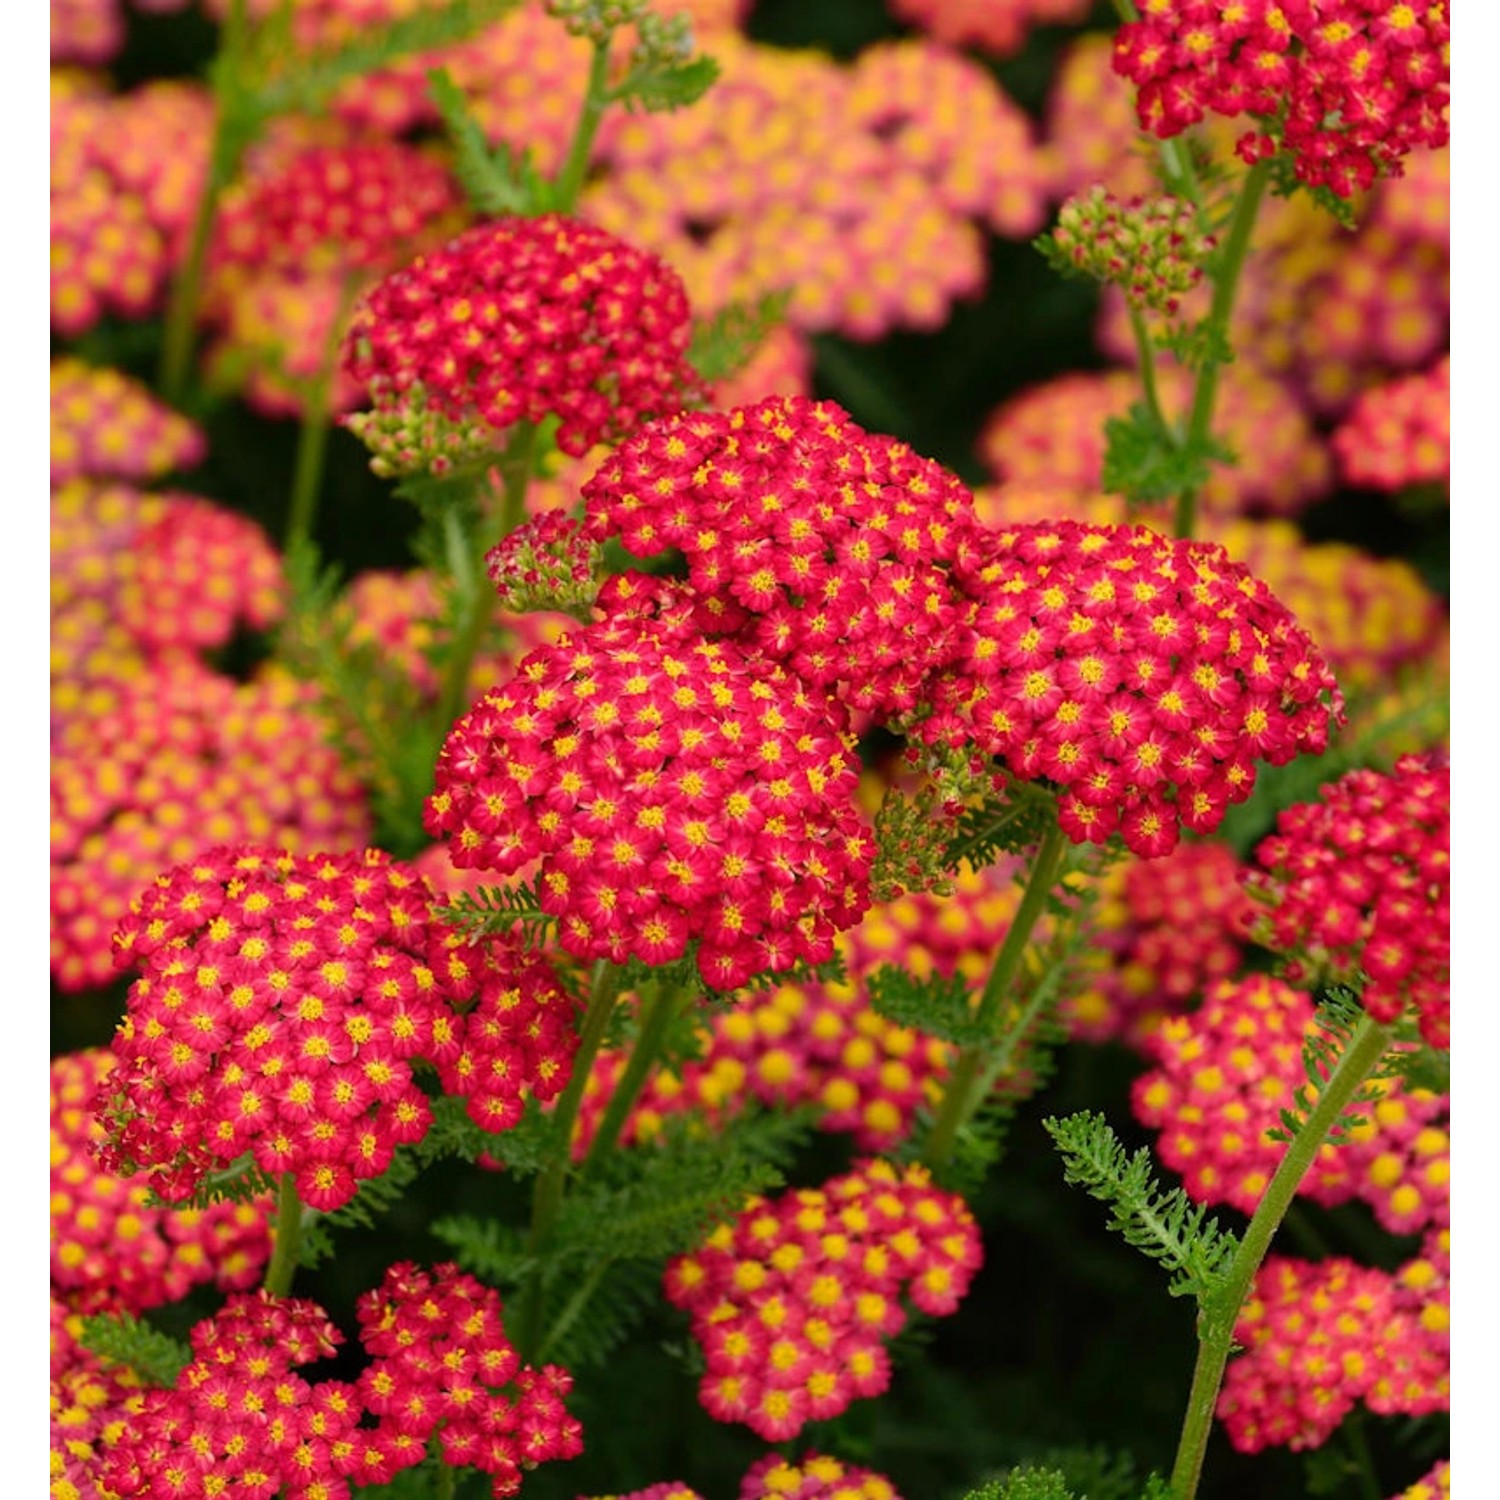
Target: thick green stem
596, 98
312, 437
288, 1245
658, 1008
1146, 350
961, 1097
1220, 1312
547, 1198
444, 1481
1226, 285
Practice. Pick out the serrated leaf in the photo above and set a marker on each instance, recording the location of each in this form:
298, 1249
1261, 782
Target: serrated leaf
1145, 463
939, 1005
725, 343
240, 1182
494, 182
124, 1340
496, 1253
658, 85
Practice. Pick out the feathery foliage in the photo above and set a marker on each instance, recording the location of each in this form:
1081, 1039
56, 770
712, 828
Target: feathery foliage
495, 181
240, 1182
1338, 1015
940, 1005
125, 1340
726, 342
1144, 463
1025, 1484
501, 910
1167, 1226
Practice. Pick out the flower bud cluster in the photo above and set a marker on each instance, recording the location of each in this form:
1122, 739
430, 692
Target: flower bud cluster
1165, 931
1346, 87
1355, 890
547, 564
440, 1364
520, 320
1142, 676
111, 1250
676, 791
106, 425
1320, 1336
281, 1007
1397, 433
1149, 247
820, 545
792, 1303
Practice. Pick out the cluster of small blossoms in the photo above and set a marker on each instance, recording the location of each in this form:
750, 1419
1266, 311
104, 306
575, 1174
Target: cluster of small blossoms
1347, 87
548, 563
820, 545
111, 1250
675, 790
240, 1422
1320, 1336
282, 1005
106, 425
1053, 434
1222, 1078
520, 320
1355, 889
999, 27
1149, 247
182, 758
793, 1301
1165, 931
126, 174
856, 188
1433, 1485
90, 1401
1397, 434
1140, 675
815, 1476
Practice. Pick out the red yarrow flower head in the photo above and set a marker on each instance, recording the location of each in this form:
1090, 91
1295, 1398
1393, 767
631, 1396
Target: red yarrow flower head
792, 1303
676, 790
1355, 888
519, 320
281, 1005
823, 546
815, 1476
1141, 676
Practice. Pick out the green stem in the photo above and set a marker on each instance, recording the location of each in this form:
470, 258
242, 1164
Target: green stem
574, 1308
551, 1184
1226, 285
1220, 1311
312, 437
1352, 1430
595, 99
288, 1244
1146, 351
961, 1097
658, 1009
445, 1479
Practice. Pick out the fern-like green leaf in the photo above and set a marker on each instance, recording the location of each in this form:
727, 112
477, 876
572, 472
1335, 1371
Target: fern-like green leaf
588, 1319
1143, 463
501, 911
240, 1182
125, 1340
725, 343
1338, 1014
494, 1252
659, 84
495, 182
940, 1005
1025, 1484
1167, 1226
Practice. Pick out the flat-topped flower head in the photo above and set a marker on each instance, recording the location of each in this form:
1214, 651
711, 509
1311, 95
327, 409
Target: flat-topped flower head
815, 1476
1398, 433
1346, 87
106, 425
823, 546
792, 1303
1355, 889
519, 320
1142, 677
675, 790
282, 1005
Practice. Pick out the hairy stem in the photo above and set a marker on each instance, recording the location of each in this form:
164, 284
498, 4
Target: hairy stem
551, 1184
288, 1245
961, 1097
1220, 1311
596, 97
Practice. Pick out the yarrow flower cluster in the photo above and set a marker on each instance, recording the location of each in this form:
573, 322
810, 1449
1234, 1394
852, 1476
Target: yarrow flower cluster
1397, 433
106, 425
111, 1249
815, 1476
999, 27
240, 1421
282, 1006
1142, 676
1346, 87
1220, 1081
792, 1302
520, 320
90, 1399
1149, 247
822, 546
675, 790
1355, 889
1321, 1335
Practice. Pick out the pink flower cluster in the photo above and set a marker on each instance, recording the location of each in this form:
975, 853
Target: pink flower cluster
815, 1476
520, 320
675, 789
106, 425
1142, 676
822, 546
1347, 87
998, 27
113, 1251
440, 1365
1397, 433
281, 1007
1355, 889
792, 1303
1321, 1335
